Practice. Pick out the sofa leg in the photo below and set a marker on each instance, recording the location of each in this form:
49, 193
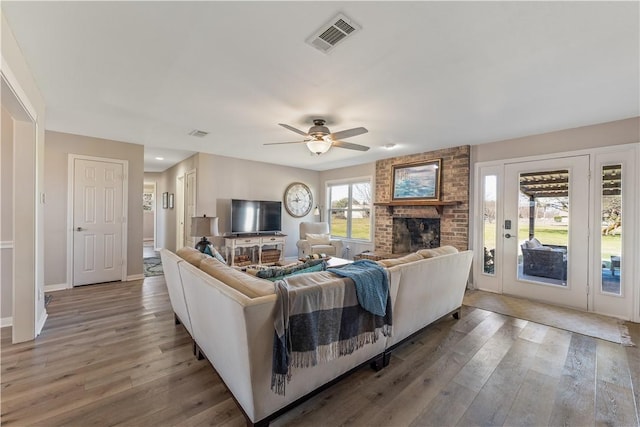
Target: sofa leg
176, 319
198, 352
381, 361
456, 314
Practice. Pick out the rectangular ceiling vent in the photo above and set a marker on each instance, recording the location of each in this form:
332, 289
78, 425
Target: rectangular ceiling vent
198, 133
333, 32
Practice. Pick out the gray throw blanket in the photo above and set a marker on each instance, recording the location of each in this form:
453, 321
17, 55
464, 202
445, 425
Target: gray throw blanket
318, 319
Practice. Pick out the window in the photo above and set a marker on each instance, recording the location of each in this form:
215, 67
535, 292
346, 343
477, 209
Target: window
489, 232
350, 209
612, 229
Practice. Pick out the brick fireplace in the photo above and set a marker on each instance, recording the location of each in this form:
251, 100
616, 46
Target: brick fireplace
454, 181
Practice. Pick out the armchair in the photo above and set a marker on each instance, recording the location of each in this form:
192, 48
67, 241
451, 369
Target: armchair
315, 238
544, 260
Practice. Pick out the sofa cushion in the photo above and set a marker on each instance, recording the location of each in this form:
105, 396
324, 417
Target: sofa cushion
247, 284
434, 252
318, 239
390, 262
191, 255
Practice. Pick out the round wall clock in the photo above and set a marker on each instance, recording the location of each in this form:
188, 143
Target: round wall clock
298, 199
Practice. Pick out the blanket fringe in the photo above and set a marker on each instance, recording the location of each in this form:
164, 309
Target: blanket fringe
325, 353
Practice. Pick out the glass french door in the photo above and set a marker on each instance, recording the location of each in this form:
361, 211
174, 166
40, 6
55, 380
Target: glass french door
544, 230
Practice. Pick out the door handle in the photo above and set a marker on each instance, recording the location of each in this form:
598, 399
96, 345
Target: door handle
507, 235
80, 229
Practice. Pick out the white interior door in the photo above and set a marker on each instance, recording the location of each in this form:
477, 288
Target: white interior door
548, 200
97, 221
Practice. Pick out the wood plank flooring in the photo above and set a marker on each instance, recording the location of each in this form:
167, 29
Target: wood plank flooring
110, 354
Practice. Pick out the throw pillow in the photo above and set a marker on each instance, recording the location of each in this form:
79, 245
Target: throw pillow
318, 239
533, 244
318, 267
211, 251
279, 272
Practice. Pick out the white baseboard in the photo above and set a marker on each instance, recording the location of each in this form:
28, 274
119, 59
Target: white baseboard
6, 321
43, 319
135, 277
58, 287
157, 249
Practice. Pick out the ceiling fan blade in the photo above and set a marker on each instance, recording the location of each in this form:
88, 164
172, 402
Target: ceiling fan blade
348, 133
350, 146
278, 143
291, 128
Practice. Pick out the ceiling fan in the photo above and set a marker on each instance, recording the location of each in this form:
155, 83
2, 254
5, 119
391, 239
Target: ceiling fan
319, 138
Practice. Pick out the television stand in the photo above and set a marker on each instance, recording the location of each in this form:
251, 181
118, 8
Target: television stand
254, 249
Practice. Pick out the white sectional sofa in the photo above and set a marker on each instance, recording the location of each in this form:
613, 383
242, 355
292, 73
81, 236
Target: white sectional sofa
231, 317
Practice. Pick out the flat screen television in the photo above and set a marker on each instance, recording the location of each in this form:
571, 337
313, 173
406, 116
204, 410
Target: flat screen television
255, 216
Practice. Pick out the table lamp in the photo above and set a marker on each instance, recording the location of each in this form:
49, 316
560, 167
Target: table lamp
204, 226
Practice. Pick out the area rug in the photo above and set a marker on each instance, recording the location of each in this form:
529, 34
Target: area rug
152, 266
590, 324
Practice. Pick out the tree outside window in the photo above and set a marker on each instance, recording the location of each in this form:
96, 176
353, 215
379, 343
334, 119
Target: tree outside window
350, 210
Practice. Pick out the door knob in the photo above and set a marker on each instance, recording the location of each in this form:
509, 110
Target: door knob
79, 229
507, 235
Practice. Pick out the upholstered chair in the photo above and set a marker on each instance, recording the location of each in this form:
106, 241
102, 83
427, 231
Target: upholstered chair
315, 238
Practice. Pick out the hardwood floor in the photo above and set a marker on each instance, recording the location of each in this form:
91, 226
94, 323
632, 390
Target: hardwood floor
110, 354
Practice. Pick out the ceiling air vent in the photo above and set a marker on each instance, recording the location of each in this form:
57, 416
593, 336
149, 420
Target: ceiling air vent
332, 33
198, 133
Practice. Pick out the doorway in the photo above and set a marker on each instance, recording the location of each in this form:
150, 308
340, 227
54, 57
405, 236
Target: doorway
98, 221
21, 228
149, 207
542, 229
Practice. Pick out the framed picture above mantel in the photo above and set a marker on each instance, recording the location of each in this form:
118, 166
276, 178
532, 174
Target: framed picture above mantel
419, 181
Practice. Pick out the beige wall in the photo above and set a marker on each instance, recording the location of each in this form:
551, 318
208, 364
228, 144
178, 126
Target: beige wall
6, 215
601, 135
219, 179
28, 267
58, 147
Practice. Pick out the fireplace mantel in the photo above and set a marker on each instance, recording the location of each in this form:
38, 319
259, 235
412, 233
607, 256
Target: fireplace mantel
436, 204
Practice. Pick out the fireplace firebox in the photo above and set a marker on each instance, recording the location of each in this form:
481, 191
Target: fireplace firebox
412, 234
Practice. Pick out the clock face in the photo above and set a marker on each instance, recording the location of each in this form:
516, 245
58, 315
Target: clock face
298, 199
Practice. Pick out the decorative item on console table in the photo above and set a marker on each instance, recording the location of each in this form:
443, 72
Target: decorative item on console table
270, 256
242, 260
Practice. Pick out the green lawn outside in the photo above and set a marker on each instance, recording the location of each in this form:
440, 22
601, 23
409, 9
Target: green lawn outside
360, 228
557, 235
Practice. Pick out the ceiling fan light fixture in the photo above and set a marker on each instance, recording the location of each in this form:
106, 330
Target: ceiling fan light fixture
319, 146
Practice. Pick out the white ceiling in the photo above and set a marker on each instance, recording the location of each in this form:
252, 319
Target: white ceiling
421, 75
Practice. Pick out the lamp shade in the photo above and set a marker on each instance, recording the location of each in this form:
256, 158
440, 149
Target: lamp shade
204, 226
